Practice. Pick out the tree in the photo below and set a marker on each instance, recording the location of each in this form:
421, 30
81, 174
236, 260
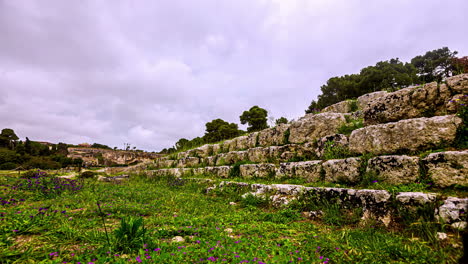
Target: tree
101, 146
8, 138
182, 143
435, 65
460, 65
219, 129
256, 117
281, 120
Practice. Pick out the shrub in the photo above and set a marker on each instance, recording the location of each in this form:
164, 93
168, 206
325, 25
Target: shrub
350, 126
334, 151
462, 132
130, 235
47, 185
8, 166
87, 175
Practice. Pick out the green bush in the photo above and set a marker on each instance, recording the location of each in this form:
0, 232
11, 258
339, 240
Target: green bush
332, 151
87, 175
350, 126
462, 132
8, 166
130, 235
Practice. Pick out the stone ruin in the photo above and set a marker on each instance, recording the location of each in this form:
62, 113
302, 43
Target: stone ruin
399, 131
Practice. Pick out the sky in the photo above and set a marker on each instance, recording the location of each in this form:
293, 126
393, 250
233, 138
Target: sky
150, 72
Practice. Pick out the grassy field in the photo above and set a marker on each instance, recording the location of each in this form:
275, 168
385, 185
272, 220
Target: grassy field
46, 220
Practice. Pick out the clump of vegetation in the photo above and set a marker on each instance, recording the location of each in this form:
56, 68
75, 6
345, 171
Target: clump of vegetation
333, 150
87, 175
350, 126
130, 235
462, 112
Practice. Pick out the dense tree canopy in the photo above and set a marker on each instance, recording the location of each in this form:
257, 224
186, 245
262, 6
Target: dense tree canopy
219, 129
8, 138
435, 65
256, 117
281, 120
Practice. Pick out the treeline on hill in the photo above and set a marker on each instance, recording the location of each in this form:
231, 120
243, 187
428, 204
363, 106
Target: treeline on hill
218, 129
15, 153
391, 75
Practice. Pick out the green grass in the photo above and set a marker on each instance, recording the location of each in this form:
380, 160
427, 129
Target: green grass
71, 228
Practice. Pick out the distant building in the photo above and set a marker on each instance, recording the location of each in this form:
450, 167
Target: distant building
85, 145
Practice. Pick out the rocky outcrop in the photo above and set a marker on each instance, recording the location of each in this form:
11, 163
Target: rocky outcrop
308, 170
347, 106
364, 100
454, 212
394, 169
415, 198
448, 168
342, 170
329, 142
263, 170
107, 157
406, 135
427, 100
273, 136
188, 162
311, 127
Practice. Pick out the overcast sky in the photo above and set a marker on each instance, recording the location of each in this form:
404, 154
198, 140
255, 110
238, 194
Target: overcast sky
151, 72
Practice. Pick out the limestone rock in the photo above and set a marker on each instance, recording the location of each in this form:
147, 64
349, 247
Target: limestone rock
188, 162
341, 107
263, 170
201, 152
272, 136
216, 149
342, 170
415, 198
229, 145
178, 239
458, 83
242, 143
454, 103
447, 168
441, 236
220, 171
198, 171
210, 161
182, 155
252, 140
336, 140
394, 169
312, 127
405, 135
364, 100
258, 154
453, 210
166, 163
235, 156
309, 170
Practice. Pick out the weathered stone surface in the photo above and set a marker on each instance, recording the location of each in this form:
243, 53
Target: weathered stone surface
272, 136
182, 155
311, 127
210, 161
391, 107
309, 170
165, 163
220, 171
342, 170
336, 140
216, 149
447, 168
252, 140
235, 156
454, 103
263, 170
458, 83
229, 145
453, 210
341, 107
221, 159
188, 162
242, 143
258, 154
394, 169
412, 102
198, 171
363, 100
107, 157
202, 151
405, 135
415, 198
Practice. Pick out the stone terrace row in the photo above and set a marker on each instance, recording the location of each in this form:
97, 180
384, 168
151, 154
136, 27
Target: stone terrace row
443, 168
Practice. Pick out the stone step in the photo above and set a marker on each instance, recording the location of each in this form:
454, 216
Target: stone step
443, 168
411, 135
376, 204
